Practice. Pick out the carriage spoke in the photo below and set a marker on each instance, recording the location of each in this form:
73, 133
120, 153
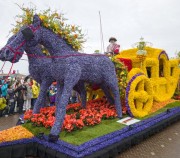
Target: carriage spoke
139, 105
141, 96
140, 86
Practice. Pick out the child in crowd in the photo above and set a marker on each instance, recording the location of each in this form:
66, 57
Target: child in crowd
3, 107
35, 92
52, 94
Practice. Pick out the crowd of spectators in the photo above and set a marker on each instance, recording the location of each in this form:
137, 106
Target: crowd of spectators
18, 95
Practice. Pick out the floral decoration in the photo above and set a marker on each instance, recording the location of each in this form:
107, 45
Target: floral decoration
76, 117
97, 144
14, 133
122, 72
139, 96
163, 73
158, 105
54, 21
127, 63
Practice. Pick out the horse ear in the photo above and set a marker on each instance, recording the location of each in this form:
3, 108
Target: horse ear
27, 33
36, 20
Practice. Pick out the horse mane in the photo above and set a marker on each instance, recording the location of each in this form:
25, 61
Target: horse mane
53, 21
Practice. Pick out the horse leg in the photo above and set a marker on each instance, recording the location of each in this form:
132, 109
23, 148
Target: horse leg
69, 82
40, 102
83, 95
112, 83
107, 94
80, 88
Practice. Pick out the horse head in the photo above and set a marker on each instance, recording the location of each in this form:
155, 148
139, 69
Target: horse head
8, 54
27, 36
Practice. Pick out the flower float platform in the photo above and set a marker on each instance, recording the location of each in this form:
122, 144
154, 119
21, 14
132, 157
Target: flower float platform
147, 88
101, 136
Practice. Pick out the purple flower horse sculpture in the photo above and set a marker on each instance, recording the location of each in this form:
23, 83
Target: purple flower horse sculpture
72, 67
40, 69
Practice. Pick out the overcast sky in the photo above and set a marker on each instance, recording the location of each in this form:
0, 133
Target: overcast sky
158, 21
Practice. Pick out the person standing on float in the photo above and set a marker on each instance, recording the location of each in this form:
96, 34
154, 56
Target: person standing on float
113, 48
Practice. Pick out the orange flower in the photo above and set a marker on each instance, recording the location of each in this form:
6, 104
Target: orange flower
75, 36
73, 28
15, 133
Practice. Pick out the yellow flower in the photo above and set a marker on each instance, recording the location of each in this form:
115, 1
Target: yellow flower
122, 73
140, 100
59, 32
46, 25
42, 17
157, 82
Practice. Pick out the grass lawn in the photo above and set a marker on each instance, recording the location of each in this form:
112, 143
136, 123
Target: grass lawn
81, 136
88, 133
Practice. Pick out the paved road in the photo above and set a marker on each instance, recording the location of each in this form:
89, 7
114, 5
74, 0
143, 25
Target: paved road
165, 144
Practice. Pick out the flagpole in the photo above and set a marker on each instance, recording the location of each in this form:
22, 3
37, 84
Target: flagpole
101, 33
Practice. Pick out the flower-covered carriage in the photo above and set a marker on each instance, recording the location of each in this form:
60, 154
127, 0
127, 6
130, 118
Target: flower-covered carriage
151, 77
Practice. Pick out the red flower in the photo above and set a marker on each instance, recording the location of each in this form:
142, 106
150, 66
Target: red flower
96, 111
79, 123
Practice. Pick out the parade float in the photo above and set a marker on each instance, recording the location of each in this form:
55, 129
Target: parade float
146, 77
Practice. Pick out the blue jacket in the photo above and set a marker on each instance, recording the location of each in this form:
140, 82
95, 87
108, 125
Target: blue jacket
4, 90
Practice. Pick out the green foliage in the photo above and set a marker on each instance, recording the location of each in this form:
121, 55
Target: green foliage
178, 54
121, 72
96, 51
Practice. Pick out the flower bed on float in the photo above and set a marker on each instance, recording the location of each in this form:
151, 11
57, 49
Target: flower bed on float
76, 117
15, 133
79, 136
90, 140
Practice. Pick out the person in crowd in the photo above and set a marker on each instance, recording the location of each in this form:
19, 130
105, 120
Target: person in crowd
4, 89
52, 93
35, 93
11, 97
28, 95
113, 47
14, 86
22, 80
3, 107
73, 98
20, 90
0, 87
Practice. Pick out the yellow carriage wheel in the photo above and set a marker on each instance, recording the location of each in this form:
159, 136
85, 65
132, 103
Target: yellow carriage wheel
139, 95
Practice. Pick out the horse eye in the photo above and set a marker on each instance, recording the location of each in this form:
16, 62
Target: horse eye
27, 33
